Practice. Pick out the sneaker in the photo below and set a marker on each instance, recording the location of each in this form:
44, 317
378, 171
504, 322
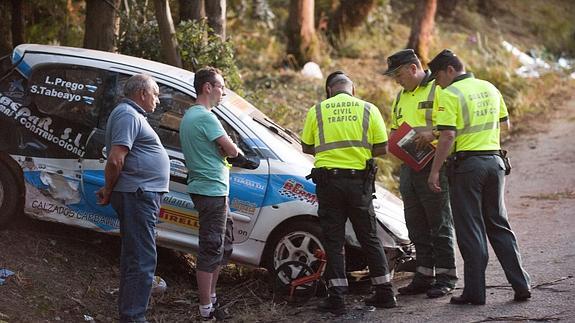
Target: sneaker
415, 287
216, 315
382, 300
439, 290
332, 305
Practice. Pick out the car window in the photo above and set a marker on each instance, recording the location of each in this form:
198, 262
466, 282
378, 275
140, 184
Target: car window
168, 115
69, 92
166, 118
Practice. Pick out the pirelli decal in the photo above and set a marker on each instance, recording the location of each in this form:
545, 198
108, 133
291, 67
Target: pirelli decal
176, 216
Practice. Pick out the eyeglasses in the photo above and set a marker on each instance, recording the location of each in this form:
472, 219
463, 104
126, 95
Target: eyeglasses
218, 85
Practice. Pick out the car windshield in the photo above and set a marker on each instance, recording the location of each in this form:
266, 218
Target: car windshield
284, 142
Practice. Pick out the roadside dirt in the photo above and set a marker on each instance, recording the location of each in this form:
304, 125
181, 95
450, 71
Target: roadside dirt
64, 274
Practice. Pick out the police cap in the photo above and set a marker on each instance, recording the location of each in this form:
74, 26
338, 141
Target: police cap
397, 60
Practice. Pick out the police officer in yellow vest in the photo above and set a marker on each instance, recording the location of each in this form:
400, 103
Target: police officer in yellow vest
344, 132
427, 213
470, 115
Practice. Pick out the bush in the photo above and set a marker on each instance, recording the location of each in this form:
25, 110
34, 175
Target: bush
198, 46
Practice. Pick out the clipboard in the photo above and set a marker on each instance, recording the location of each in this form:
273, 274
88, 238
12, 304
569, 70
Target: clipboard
402, 145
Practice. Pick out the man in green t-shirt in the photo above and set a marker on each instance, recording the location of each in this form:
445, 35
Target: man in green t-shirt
206, 145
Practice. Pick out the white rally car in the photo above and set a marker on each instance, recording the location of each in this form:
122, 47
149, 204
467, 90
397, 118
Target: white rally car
54, 103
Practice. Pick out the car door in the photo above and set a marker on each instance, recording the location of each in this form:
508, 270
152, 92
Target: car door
55, 125
247, 186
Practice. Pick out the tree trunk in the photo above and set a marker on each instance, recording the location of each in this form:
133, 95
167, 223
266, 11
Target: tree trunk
422, 28
5, 29
303, 44
216, 13
17, 22
102, 24
167, 33
192, 10
348, 16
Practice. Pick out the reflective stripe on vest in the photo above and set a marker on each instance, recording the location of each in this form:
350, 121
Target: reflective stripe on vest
428, 112
323, 146
467, 128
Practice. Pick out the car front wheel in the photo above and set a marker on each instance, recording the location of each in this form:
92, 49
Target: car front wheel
297, 241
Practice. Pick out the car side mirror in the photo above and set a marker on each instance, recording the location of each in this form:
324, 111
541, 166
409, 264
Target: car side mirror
242, 161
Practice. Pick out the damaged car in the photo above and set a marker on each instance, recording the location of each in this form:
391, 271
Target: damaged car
54, 104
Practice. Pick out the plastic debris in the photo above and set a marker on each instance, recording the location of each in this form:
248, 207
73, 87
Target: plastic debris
533, 66
5, 273
312, 70
159, 285
88, 318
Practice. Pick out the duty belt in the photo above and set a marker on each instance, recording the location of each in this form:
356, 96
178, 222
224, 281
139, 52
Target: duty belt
346, 172
460, 155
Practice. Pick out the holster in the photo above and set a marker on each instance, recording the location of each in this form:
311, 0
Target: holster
506, 161
371, 172
318, 176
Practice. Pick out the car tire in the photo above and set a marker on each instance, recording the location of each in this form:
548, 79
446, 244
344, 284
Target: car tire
295, 241
10, 199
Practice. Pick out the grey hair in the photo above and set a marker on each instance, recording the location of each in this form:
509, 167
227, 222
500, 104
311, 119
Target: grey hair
138, 83
340, 79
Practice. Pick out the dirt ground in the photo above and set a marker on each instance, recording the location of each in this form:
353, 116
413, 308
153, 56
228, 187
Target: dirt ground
64, 274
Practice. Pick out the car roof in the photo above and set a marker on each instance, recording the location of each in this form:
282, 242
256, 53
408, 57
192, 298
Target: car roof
135, 63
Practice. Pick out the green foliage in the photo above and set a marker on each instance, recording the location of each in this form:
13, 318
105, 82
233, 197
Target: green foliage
198, 46
140, 40
55, 22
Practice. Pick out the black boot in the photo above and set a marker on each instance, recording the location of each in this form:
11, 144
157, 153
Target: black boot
444, 285
383, 297
419, 285
333, 304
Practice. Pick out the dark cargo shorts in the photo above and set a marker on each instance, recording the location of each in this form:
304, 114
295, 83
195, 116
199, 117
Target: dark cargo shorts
216, 231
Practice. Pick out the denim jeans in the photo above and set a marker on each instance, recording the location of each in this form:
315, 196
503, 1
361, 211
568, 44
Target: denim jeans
138, 212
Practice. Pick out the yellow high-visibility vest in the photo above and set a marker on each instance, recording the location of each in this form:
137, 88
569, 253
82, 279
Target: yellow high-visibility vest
474, 108
416, 107
343, 130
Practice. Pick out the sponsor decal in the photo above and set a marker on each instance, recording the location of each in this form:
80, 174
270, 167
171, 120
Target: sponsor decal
248, 183
295, 190
16, 89
178, 202
42, 126
61, 210
176, 216
243, 207
57, 87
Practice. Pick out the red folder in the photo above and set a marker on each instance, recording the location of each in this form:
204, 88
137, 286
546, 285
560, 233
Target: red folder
402, 145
